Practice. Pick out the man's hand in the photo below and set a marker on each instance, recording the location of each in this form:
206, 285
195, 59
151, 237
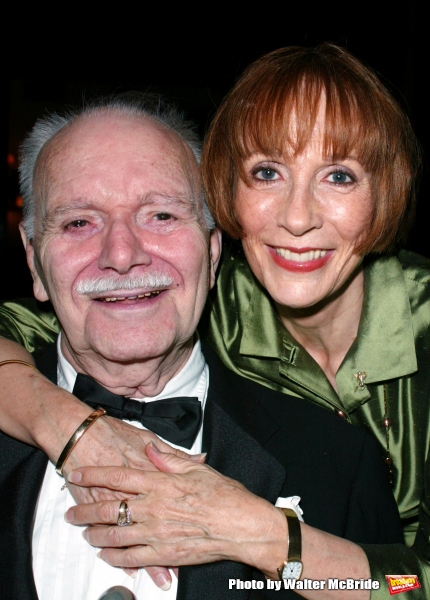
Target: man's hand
188, 514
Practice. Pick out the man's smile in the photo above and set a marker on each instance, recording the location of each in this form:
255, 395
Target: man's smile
138, 297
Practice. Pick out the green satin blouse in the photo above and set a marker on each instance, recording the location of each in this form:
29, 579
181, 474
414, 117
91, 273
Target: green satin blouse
392, 349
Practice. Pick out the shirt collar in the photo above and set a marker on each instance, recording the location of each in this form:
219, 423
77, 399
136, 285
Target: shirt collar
384, 348
266, 337
264, 333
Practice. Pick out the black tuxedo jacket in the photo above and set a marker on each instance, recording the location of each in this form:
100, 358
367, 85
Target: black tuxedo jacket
276, 445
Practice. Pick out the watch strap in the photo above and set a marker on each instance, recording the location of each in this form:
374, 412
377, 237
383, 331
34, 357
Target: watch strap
294, 552
294, 535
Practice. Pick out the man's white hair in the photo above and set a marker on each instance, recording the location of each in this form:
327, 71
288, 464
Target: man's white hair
131, 105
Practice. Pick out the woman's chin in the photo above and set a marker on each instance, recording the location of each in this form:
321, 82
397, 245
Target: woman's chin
297, 306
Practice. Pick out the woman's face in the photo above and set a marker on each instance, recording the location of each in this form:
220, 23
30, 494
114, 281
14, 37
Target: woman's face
302, 219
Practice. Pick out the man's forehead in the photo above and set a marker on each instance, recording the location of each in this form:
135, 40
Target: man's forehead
114, 133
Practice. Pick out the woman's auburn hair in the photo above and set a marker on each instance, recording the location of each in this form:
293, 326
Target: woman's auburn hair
362, 120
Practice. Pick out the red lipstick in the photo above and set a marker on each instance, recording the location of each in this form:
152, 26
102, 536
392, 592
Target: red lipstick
304, 266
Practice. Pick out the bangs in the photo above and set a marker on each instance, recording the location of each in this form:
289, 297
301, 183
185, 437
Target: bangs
282, 122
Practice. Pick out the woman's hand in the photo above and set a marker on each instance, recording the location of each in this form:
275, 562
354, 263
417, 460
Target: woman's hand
112, 442
188, 514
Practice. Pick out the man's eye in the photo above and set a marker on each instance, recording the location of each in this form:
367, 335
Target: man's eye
266, 174
340, 177
76, 224
163, 216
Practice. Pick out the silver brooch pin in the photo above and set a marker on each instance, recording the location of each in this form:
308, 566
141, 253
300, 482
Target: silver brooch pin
360, 377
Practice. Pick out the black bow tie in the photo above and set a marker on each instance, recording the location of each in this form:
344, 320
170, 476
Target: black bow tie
174, 419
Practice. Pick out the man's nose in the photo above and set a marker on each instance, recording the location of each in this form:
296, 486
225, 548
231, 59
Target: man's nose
123, 247
299, 210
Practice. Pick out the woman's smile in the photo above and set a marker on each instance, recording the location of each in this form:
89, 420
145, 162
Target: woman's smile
300, 260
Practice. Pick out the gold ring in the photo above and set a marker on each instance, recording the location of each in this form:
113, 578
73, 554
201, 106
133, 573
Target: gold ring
124, 516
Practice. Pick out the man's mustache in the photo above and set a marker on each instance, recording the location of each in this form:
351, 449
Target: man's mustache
115, 283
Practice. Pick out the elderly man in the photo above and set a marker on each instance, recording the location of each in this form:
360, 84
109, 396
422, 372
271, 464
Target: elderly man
118, 238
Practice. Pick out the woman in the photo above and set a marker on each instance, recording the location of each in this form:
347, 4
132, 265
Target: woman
311, 163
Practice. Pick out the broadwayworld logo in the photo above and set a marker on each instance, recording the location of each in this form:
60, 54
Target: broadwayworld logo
402, 583
321, 584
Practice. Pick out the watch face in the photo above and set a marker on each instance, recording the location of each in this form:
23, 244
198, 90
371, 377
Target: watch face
292, 570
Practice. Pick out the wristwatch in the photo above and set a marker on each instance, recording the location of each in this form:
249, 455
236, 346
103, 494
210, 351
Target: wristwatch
292, 568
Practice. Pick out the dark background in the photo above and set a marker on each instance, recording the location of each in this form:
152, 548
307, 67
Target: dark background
71, 61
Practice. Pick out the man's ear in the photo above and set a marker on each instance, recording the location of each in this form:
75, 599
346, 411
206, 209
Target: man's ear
39, 290
215, 246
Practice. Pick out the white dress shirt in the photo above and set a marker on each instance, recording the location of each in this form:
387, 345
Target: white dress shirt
65, 566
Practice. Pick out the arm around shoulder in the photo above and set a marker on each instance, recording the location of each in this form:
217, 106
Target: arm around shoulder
30, 403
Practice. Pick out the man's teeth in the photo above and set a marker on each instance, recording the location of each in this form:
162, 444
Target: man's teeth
302, 256
140, 296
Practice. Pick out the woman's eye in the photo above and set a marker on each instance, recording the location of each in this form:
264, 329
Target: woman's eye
266, 174
340, 177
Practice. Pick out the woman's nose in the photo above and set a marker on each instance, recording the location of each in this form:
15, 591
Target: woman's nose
298, 210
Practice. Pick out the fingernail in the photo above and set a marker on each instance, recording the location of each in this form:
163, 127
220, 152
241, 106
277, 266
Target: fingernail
85, 535
69, 516
198, 457
163, 582
75, 477
131, 572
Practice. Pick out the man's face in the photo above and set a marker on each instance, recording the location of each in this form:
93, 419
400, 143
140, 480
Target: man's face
122, 253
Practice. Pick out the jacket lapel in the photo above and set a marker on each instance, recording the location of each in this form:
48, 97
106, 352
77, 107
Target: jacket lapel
235, 428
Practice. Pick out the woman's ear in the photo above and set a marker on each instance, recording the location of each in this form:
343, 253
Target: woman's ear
215, 246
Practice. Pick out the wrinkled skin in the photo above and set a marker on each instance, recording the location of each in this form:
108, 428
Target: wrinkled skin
123, 445
188, 514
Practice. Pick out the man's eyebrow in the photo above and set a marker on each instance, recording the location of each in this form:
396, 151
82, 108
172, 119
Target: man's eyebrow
75, 206
52, 214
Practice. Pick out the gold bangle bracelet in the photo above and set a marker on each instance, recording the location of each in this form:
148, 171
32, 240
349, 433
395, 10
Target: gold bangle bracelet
18, 362
83, 427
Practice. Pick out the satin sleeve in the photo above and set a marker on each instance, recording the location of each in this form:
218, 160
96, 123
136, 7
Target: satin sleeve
30, 324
